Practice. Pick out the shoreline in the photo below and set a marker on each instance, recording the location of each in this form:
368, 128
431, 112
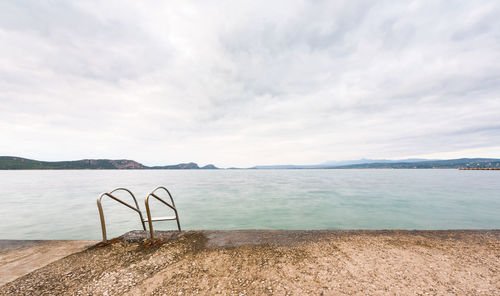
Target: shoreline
283, 262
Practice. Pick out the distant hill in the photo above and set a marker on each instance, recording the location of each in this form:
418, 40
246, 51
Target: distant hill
396, 164
433, 164
185, 166
180, 166
364, 160
331, 164
209, 167
19, 163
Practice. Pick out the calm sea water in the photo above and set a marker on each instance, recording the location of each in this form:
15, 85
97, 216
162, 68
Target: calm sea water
62, 204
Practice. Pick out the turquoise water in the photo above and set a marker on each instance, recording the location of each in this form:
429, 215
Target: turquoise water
62, 204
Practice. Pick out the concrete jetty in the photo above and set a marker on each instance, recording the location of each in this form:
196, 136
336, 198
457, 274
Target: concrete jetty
270, 262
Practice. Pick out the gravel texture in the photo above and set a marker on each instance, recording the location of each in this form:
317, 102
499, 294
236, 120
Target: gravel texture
277, 263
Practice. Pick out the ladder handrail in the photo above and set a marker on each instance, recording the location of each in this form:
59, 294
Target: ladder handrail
148, 212
101, 212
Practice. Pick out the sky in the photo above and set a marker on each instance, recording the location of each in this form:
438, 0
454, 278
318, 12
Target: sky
242, 83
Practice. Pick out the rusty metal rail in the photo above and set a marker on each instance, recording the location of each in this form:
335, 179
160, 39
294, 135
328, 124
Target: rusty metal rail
110, 194
150, 220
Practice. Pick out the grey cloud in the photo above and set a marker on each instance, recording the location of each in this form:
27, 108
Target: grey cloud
243, 83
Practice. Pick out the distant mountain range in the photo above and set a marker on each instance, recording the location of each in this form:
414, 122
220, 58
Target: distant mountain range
396, 164
184, 166
19, 163
430, 164
332, 164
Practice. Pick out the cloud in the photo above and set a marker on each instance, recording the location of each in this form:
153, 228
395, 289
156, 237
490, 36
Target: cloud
244, 83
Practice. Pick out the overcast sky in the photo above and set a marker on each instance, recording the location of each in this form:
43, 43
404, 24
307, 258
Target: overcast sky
239, 83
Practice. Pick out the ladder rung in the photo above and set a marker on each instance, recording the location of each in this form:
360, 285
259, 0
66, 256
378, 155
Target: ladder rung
161, 219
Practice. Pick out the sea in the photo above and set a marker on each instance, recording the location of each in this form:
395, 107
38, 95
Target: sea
61, 204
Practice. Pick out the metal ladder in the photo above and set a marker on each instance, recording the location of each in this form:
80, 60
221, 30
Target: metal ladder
172, 206
138, 210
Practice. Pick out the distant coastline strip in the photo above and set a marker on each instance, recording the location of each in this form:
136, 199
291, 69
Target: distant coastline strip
19, 163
